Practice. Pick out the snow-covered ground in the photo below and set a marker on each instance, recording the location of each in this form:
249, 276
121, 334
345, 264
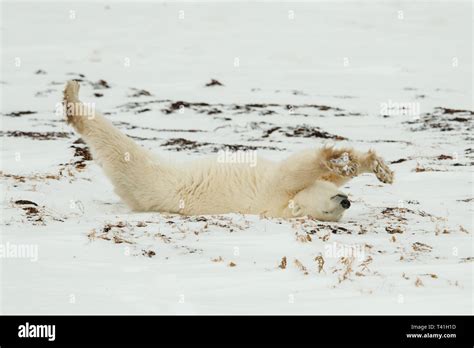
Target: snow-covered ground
294, 75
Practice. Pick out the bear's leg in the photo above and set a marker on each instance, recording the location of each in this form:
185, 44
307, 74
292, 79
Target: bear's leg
302, 169
345, 164
133, 171
298, 172
372, 163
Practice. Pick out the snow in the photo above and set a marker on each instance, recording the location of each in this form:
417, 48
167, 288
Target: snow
401, 248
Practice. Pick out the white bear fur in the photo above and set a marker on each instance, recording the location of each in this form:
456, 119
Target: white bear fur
303, 184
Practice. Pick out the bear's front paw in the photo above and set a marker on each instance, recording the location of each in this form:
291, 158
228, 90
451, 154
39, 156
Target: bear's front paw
343, 165
382, 171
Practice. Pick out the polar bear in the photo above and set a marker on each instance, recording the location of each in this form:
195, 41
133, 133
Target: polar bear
304, 184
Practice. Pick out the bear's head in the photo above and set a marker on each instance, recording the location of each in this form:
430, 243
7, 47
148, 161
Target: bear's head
322, 201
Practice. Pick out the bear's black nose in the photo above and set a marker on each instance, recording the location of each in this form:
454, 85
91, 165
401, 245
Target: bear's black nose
345, 203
